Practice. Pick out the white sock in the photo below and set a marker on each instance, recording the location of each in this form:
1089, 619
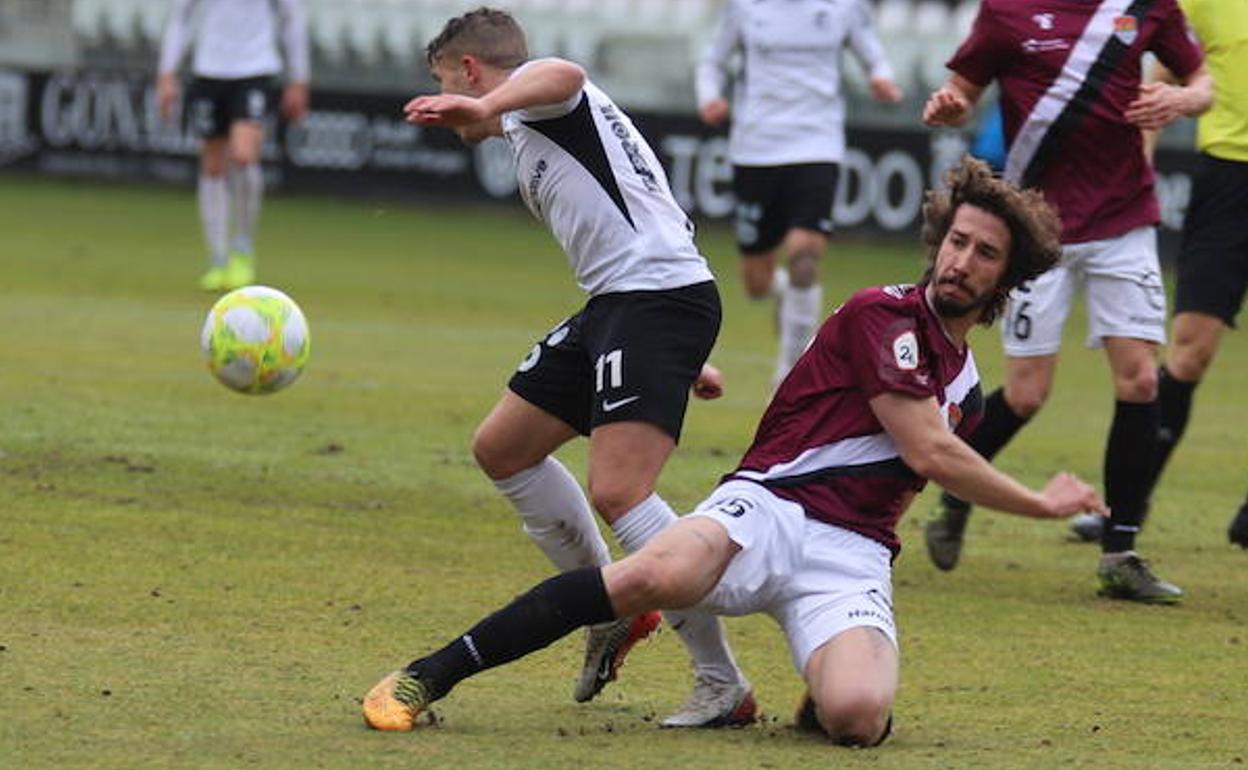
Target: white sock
701, 631
214, 210
779, 282
556, 515
801, 310
246, 191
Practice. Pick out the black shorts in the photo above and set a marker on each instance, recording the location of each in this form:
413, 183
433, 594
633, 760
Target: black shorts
215, 104
1213, 258
626, 357
771, 200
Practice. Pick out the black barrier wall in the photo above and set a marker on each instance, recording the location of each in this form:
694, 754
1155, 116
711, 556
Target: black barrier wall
105, 125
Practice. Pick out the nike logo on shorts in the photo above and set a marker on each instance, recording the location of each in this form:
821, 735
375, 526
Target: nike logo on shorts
611, 406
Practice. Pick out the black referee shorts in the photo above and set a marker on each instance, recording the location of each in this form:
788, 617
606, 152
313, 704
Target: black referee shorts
1213, 257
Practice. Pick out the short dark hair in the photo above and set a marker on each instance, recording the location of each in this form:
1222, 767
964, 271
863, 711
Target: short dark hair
1035, 230
492, 35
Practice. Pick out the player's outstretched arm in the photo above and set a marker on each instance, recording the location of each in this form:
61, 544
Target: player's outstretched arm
542, 82
934, 452
953, 103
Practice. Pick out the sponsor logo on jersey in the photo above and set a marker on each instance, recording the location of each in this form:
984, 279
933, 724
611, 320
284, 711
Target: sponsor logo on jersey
1126, 29
1043, 20
1032, 45
906, 351
631, 147
535, 181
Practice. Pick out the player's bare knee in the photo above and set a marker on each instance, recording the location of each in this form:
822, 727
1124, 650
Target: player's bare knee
641, 582
1137, 384
1189, 362
858, 718
1025, 400
804, 267
757, 283
493, 458
614, 497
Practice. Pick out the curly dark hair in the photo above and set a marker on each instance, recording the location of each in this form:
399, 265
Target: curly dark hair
1034, 226
490, 34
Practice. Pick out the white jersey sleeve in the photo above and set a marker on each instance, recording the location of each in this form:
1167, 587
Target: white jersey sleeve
865, 43
712, 76
588, 174
176, 37
237, 38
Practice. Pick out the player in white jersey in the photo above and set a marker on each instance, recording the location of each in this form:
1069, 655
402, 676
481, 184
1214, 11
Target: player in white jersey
787, 139
235, 64
621, 369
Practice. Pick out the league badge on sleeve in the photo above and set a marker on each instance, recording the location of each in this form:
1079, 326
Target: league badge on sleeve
906, 351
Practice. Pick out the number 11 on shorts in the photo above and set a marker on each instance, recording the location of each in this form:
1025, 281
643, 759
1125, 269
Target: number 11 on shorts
609, 370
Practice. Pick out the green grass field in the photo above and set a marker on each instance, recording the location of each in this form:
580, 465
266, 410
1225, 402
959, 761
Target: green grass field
191, 578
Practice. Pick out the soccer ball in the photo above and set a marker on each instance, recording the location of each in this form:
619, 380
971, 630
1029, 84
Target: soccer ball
255, 340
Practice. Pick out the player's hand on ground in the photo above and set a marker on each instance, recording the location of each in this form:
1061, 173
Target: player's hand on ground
166, 95
1066, 494
885, 90
295, 101
449, 110
710, 383
946, 107
714, 112
1158, 105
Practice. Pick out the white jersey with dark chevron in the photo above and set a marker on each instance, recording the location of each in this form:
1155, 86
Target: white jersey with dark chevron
587, 172
237, 38
787, 105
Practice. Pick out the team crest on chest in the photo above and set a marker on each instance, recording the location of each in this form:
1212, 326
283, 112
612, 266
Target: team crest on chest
1126, 29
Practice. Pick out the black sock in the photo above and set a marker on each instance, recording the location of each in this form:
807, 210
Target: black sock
1000, 424
1130, 454
552, 610
1174, 398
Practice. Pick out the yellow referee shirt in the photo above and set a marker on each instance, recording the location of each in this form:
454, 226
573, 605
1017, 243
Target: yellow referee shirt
1222, 27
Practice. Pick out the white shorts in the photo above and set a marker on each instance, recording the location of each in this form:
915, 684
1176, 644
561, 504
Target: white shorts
1125, 296
815, 579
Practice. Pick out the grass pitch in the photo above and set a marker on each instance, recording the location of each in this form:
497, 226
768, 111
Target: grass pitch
193, 578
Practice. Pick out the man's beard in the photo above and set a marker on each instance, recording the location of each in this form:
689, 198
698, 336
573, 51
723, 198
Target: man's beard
949, 308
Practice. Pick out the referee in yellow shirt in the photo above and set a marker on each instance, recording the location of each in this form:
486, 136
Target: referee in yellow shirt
1213, 257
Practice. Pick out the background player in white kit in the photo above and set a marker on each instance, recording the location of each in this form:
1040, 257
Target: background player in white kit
235, 64
805, 528
620, 370
786, 139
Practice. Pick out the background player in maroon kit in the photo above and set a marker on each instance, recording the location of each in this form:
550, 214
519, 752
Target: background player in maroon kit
804, 528
1069, 76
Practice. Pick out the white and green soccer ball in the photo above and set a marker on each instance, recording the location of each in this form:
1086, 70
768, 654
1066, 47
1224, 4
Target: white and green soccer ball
255, 340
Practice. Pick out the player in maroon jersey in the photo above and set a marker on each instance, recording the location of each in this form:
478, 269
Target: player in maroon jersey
804, 528
1069, 77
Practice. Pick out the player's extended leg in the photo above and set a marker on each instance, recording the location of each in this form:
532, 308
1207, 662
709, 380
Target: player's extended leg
214, 209
1028, 380
1194, 342
513, 445
246, 181
800, 297
1130, 456
676, 569
625, 459
852, 682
